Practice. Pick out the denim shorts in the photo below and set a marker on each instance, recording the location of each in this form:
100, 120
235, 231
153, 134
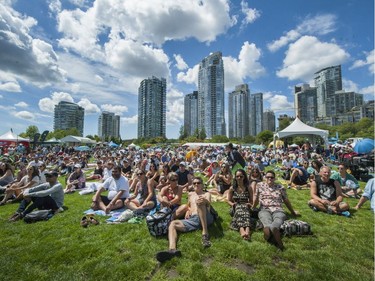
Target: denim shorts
194, 223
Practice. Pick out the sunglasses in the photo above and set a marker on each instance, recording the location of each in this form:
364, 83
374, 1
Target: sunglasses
270, 178
139, 174
196, 183
239, 177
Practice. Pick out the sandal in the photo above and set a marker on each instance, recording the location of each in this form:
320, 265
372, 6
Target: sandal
84, 221
93, 220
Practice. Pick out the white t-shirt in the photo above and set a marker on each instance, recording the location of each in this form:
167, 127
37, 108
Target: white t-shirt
25, 180
114, 186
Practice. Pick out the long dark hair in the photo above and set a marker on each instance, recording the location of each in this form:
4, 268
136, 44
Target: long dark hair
245, 179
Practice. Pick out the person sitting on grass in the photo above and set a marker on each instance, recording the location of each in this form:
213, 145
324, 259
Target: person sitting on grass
16, 189
368, 194
144, 194
97, 174
270, 196
222, 181
299, 175
118, 190
349, 184
197, 217
76, 179
170, 196
46, 196
326, 195
240, 198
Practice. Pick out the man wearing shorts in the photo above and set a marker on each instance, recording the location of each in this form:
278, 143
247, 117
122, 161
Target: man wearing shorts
118, 190
326, 194
198, 216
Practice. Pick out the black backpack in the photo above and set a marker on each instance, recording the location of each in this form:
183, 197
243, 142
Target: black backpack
38, 215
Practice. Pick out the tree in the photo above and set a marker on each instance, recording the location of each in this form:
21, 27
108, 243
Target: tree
30, 132
220, 138
202, 134
183, 133
248, 139
265, 137
283, 123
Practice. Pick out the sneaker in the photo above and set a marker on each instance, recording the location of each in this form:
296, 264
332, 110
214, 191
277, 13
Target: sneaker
59, 210
315, 209
289, 186
345, 214
206, 240
164, 256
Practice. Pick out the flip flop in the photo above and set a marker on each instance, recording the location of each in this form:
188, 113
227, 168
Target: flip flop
93, 220
84, 222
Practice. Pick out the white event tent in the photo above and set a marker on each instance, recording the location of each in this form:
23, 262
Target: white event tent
299, 128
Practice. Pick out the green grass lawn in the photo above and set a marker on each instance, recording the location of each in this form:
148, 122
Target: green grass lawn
60, 249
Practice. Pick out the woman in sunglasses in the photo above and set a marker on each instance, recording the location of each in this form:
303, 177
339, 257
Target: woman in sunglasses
144, 193
271, 196
240, 199
222, 181
171, 194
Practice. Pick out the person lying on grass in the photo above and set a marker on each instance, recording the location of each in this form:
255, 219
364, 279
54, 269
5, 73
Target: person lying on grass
326, 195
270, 196
118, 190
144, 193
197, 217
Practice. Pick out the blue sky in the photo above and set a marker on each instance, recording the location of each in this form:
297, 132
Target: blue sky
95, 53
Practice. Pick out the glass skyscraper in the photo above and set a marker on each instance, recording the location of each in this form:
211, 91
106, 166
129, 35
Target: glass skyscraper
68, 115
305, 103
108, 125
152, 108
191, 113
211, 95
238, 107
256, 113
327, 81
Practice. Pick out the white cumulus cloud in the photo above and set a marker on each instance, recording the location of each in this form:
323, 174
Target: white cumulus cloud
308, 55
116, 109
130, 120
180, 63
24, 115
278, 102
21, 104
250, 14
89, 107
10, 87
317, 25
48, 104
369, 61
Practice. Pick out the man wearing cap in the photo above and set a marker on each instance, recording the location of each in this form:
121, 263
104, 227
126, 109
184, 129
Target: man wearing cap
118, 190
184, 177
46, 196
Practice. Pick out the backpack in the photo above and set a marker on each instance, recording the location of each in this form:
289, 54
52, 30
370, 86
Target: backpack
295, 227
38, 215
158, 222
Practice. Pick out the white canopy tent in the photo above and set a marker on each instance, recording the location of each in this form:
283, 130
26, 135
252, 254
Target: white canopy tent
299, 128
10, 136
77, 140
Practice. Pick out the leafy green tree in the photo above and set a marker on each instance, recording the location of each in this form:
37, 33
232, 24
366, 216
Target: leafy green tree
183, 133
202, 134
248, 139
220, 138
264, 137
283, 123
30, 132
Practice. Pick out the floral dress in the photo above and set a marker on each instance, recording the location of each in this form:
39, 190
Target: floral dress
241, 216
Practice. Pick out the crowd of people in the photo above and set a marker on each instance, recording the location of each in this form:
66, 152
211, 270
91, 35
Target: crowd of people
253, 183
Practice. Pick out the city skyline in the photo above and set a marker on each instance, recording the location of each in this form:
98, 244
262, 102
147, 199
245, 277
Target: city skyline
85, 52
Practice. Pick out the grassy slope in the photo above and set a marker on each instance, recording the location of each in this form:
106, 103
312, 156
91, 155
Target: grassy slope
341, 249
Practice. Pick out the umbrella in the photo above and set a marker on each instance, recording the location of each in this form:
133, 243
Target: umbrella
82, 148
364, 146
257, 147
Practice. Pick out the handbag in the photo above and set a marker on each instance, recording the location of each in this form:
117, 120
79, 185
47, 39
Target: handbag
158, 222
